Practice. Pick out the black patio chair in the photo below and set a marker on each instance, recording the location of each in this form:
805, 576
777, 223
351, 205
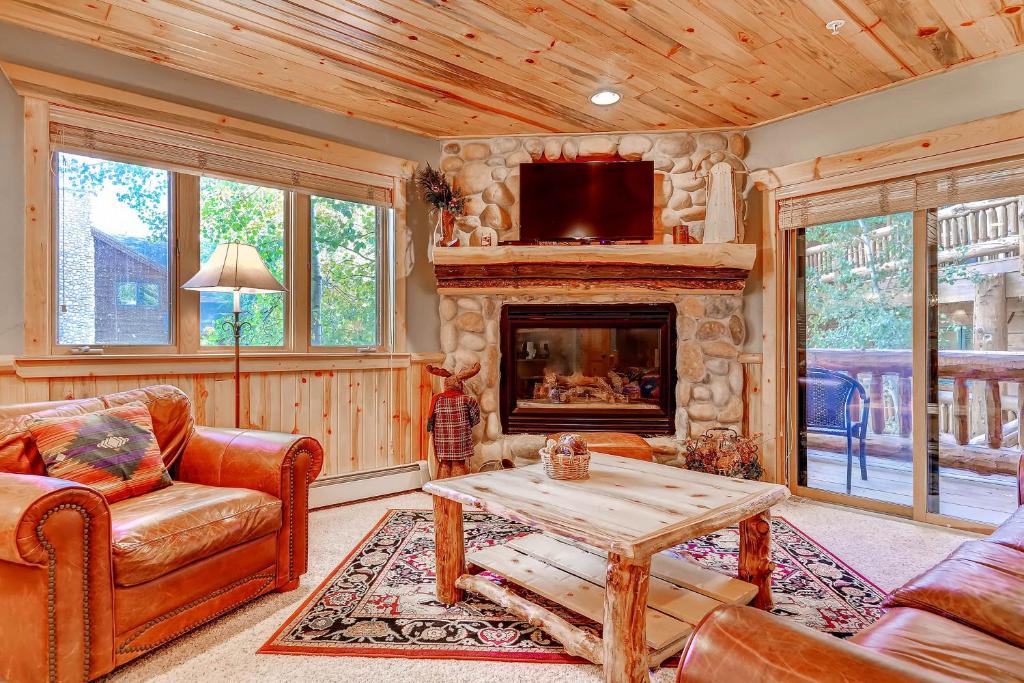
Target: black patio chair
830, 410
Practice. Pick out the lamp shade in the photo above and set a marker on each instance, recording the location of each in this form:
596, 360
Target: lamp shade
234, 267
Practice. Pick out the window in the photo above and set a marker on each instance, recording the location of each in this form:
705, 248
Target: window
237, 212
138, 294
113, 261
345, 291
127, 235
126, 294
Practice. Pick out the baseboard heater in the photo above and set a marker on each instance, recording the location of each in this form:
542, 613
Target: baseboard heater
353, 486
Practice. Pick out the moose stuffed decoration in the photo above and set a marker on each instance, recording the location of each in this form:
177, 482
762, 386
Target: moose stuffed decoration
451, 419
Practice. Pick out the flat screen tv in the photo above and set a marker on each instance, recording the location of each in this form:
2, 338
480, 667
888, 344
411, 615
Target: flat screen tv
598, 200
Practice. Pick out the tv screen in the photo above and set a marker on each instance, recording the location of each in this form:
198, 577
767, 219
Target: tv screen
599, 200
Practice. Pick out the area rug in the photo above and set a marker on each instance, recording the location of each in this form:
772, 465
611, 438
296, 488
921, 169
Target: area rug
379, 602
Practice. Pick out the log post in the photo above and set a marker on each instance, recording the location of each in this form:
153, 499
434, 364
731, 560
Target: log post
961, 418
1020, 416
877, 403
993, 414
625, 627
906, 405
990, 334
755, 565
449, 549
1018, 218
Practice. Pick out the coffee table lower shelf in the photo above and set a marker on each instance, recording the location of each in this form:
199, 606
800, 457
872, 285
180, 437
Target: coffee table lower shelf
573, 575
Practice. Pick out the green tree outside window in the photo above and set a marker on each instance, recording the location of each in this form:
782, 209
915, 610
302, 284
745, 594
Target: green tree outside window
344, 292
230, 211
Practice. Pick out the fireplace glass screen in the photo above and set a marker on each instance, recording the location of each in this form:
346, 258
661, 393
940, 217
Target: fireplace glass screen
588, 367
604, 367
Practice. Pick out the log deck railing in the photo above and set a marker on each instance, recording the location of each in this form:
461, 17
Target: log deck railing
964, 368
982, 231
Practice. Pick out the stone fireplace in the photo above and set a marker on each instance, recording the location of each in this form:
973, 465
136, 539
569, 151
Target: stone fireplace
702, 286
701, 283
588, 367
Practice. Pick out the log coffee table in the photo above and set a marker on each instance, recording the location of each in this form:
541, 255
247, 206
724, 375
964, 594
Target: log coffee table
597, 553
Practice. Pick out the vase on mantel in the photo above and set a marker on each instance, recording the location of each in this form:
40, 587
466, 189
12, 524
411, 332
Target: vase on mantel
444, 232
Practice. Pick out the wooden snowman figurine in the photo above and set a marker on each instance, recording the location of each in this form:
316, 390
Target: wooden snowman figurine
452, 416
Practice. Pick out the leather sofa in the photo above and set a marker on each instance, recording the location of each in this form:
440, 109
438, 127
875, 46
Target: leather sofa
962, 620
615, 443
86, 586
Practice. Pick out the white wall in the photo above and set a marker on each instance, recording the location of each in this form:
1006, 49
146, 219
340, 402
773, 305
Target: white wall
42, 51
12, 193
975, 91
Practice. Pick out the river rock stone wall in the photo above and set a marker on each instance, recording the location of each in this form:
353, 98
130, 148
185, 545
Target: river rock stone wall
709, 388
76, 286
487, 171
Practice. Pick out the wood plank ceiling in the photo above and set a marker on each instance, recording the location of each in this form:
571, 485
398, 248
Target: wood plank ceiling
486, 67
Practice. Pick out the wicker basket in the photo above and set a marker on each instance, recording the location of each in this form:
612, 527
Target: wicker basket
561, 466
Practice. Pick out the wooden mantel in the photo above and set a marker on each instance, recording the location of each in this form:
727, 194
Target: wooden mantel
595, 268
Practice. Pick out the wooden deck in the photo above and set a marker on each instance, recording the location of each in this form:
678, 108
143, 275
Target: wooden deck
963, 494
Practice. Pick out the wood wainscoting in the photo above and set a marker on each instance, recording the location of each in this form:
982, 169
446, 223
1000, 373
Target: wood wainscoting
368, 412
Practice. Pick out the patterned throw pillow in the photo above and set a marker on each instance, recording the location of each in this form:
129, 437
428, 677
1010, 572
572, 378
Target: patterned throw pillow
114, 451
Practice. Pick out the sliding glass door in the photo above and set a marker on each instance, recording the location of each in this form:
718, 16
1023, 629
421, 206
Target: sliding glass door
853, 352
976, 342
930, 300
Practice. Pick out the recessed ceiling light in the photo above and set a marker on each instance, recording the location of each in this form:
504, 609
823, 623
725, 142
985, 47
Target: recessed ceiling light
835, 25
605, 97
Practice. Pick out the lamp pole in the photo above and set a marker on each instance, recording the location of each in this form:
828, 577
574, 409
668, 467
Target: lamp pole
237, 326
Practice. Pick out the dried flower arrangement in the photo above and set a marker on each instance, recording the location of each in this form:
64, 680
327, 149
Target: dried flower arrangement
438, 192
722, 451
447, 201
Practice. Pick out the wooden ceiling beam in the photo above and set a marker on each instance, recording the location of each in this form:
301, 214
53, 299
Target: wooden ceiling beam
224, 65
536, 71
834, 52
860, 37
923, 31
983, 27
559, 40
387, 57
492, 67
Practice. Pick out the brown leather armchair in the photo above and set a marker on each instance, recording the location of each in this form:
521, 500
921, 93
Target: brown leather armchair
86, 586
960, 621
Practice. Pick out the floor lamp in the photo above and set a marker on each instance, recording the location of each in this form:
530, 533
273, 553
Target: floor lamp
235, 268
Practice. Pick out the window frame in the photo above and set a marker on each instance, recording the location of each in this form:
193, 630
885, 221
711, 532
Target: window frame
184, 211
385, 280
287, 344
55, 347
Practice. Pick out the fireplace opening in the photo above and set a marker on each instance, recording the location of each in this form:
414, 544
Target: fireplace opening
607, 367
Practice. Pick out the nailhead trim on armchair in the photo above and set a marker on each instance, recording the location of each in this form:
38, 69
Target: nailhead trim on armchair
125, 649
291, 510
51, 591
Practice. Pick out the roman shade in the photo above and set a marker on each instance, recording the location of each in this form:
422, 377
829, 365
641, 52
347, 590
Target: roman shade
188, 152
1001, 178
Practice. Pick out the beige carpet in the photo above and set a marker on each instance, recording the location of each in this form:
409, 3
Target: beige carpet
885, 550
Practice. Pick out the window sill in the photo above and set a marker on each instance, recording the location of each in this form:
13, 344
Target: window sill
206, 363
